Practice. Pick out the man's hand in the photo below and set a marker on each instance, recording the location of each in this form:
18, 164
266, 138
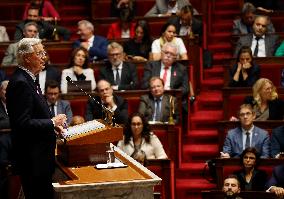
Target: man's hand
110, 102
279, 191
224, 155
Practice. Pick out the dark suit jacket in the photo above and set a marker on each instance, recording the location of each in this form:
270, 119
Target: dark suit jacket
233, 143
196, 25
52, 73
276, 108
277, 178
4, 118
33, 136
147, 107
94, 111
277, 141
99, 49
271, 43
128, 78
179, 75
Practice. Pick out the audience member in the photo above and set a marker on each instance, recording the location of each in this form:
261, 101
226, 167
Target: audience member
10, 58
96, 45
174, 74
117, 5
168, 7
276, 183
157, 106
139, 142
246, 135
122, 75
124, 28
78, 69
168, 36
251, 178
139, 47
277, 142
265, 101
3, 34
231, 187
244, 72
280, 50
186, 23
45, 29
244, 25
56, 105
46, 10
76, 120
4, 118
110, 100
261, 43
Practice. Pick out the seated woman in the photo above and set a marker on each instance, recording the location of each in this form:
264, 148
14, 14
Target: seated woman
139, 142
250, 178
139, 47
245, 72
168, 35
124, 28
78, 69
265, 101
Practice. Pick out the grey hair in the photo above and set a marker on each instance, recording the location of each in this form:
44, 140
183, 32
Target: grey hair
114, 45
171, 45
4, 84
25, 46
248, 7
32, 23
87, 24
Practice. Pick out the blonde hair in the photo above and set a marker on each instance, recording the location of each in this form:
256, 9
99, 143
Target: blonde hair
258, 85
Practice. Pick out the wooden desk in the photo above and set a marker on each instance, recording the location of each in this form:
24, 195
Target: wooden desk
217, 194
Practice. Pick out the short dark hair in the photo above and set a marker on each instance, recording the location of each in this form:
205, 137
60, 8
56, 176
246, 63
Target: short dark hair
244, 49
187, 9
250, 150
51, 84
234, 177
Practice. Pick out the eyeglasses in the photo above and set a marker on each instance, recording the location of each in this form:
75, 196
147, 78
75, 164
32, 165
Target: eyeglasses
40, 54
170, 54
245, 114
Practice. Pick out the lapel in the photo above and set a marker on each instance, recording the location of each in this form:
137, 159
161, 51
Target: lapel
59, 107
2, 109
267, 44
157, 66
254, 137
110, 74
239, 137
123, 73
173, 75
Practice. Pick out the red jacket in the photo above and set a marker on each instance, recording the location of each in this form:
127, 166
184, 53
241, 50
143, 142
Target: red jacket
114, 31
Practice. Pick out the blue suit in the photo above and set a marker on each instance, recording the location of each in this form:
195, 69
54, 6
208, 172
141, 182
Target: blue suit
277, 178
233, 143
99, 49
277, 141
63, 107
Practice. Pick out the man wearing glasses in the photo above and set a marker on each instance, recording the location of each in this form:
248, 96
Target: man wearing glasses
246, 135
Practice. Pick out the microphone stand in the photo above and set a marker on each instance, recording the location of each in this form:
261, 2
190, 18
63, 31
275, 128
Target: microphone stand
109, 114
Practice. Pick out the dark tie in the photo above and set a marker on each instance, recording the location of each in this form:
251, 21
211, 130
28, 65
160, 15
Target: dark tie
158, 109
247, 140
38, 86
256, 47
52, 110
117, 78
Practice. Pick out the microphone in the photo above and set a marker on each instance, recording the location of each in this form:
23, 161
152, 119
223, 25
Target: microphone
109, 114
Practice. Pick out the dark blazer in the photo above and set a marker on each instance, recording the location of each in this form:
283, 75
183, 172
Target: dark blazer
258, 180
196, 25
271, 43
277, 178
33, 136
277, 141
233, 143
179, 75
52, 73
276, 108
128, 78
94, 111
4, 118
253, 75
147, 107
99, 49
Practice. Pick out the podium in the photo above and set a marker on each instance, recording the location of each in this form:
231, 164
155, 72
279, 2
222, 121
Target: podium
84, 180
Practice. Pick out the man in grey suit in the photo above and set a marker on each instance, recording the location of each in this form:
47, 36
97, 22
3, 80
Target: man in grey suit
261, 43
157, 106
167, 7
247, 135
56, 105
10, 58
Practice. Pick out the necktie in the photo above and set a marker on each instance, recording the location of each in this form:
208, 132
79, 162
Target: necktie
52, 110
247, 140
117, 78
165, 74
38, 86
256, 47
158, 109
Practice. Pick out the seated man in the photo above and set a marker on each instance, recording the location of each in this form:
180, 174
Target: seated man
246, 135
96, 45
157, 106
244, 25
56, 105
261, 43
276, 183
231, 187
45, 29
109, 100
277, 142
10, 58
122, 75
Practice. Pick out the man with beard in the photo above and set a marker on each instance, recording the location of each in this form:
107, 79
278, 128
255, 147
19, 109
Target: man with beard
231, 187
